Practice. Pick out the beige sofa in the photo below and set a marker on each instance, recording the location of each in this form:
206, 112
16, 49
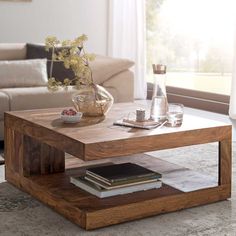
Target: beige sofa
113, 74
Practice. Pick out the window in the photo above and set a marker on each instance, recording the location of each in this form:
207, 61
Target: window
194, 38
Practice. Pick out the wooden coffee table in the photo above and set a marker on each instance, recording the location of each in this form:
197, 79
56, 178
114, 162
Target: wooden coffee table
36, 142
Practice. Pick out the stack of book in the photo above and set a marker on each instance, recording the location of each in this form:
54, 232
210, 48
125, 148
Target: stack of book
117, 179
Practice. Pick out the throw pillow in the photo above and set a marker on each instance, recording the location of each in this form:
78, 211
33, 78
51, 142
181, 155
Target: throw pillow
59, 72
12, 51
23, 73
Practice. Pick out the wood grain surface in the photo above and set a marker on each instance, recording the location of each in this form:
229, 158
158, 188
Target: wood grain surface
91, 212
97, 138
36, 142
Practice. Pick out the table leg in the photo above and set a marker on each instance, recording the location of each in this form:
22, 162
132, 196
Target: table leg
225, 162
27, 156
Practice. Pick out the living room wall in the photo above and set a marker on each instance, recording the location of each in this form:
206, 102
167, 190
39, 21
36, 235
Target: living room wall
33, 21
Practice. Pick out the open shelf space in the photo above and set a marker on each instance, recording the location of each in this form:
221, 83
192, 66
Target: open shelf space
182, 188
59, 185
179, 177
82, 207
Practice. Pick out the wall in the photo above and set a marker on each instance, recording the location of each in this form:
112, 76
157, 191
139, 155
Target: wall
33, 21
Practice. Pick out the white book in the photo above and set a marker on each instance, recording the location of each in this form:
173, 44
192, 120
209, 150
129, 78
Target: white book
100, 192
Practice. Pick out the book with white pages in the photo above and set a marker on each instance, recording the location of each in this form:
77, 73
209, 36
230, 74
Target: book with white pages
106, 186
122, 173
100, 192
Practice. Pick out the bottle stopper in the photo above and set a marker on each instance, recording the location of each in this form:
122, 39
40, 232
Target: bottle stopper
159, 69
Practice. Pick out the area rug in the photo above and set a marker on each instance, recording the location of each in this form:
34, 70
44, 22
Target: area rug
21, 214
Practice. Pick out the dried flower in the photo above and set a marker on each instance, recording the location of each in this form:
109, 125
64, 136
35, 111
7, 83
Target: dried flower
73, 57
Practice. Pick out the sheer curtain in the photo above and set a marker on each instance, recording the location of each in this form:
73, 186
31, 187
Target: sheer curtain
126, 37
232, 104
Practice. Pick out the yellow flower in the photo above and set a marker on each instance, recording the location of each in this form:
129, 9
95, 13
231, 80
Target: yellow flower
65, 43
74, 57
51, 41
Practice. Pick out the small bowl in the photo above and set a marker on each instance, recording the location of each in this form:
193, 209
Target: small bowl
72, 119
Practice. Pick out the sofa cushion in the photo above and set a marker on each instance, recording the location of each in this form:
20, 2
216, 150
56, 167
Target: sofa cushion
59, 71
23, 73
104, 67
12, 51
38, 97
5, 104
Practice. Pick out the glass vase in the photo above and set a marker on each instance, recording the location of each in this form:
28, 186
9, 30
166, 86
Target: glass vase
93, 100
159, 104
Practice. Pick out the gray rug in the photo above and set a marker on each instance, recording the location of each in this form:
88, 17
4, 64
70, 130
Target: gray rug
20, 214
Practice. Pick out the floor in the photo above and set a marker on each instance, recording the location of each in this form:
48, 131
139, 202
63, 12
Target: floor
26, 216
21, 215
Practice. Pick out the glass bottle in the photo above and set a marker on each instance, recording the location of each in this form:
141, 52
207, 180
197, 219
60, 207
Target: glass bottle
159, 104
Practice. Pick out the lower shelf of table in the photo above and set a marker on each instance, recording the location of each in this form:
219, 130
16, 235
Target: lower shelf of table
91, 212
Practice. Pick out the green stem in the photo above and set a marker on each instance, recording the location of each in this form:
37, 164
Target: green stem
51, 66
87, 63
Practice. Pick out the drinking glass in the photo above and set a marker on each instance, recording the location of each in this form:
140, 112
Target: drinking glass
175, 115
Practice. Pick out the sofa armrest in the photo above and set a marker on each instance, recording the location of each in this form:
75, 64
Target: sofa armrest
103, 67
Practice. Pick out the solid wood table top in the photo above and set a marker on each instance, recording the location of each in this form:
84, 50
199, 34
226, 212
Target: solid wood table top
100, 129
101, 132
